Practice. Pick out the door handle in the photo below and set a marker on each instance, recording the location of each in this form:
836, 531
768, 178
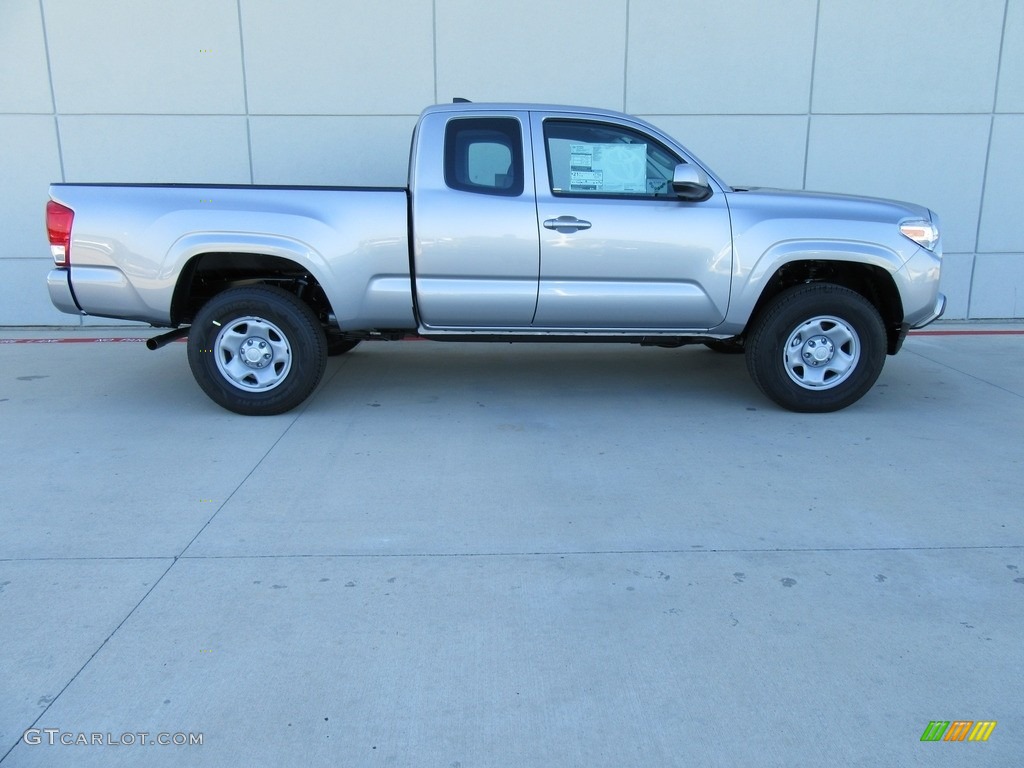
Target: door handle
566, 224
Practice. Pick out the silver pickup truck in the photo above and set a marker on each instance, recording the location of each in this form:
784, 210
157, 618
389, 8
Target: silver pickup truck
520, 223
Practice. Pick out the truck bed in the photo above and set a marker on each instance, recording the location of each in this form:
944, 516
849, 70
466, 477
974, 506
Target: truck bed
132, 241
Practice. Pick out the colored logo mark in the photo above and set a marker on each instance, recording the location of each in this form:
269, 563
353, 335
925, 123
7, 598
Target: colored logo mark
958, 730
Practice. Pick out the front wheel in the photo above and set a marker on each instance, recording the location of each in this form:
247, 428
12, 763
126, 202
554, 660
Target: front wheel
816, 348
257, 350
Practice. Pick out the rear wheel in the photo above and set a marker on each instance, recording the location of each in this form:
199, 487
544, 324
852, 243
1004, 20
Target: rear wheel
816, 348
257, 350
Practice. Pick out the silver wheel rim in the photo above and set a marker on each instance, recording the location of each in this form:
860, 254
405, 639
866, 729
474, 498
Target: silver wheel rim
252, 354
821, 353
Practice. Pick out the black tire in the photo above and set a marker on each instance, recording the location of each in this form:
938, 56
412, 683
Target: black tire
725, 346
816, 348
257, 350
339, 345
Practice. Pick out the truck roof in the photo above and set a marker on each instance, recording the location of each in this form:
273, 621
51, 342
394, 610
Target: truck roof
505, 106
467, 107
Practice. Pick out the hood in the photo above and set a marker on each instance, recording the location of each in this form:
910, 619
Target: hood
827, 205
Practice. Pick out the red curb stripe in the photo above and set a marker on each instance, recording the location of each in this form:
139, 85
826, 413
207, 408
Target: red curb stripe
124, 339
967, 333
117, 340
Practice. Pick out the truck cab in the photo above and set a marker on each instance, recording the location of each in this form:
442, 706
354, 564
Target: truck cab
545, 220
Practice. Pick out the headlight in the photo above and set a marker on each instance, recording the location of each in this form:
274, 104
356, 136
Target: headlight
921, 231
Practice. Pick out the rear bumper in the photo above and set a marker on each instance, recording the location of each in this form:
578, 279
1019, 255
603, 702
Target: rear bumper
59, 285
101, 292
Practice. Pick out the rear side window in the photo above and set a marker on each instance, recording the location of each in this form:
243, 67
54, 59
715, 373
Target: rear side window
484, 155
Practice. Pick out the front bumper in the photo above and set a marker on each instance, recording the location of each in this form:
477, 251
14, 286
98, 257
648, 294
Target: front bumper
936, 313
940, 306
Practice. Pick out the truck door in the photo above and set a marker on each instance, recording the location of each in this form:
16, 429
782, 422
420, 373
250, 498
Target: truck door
619, 250
474, 219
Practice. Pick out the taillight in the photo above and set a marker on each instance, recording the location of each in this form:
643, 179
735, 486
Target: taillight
58, 227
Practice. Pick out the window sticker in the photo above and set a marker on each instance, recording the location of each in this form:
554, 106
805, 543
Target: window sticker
608, 168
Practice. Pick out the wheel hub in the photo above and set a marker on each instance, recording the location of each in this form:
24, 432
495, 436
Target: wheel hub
821, 352
252, 353
255, 352
818, 350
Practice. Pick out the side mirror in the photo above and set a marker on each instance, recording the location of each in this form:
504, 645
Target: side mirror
691, 183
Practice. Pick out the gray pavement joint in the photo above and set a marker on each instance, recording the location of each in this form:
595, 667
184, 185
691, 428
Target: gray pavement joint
92, 656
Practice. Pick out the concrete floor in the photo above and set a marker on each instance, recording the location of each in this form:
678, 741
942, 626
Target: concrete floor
493, 555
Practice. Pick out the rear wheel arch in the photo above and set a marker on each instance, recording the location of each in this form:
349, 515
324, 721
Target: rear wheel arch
205, 275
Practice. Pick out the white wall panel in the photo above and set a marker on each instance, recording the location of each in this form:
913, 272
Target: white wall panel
998, 288
907, 56
720, 57
25, 299
331, 151
901, 99
570, 52
155, 149
28, 164
1003, 210
145, 56
1011, 73
933, 160
747, 150
338, 58
88, 320
957, 271
24, 79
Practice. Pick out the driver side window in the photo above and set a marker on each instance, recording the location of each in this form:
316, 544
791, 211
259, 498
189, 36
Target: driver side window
601, 160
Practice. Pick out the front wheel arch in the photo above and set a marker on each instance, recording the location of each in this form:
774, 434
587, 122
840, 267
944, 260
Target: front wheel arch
870, 281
